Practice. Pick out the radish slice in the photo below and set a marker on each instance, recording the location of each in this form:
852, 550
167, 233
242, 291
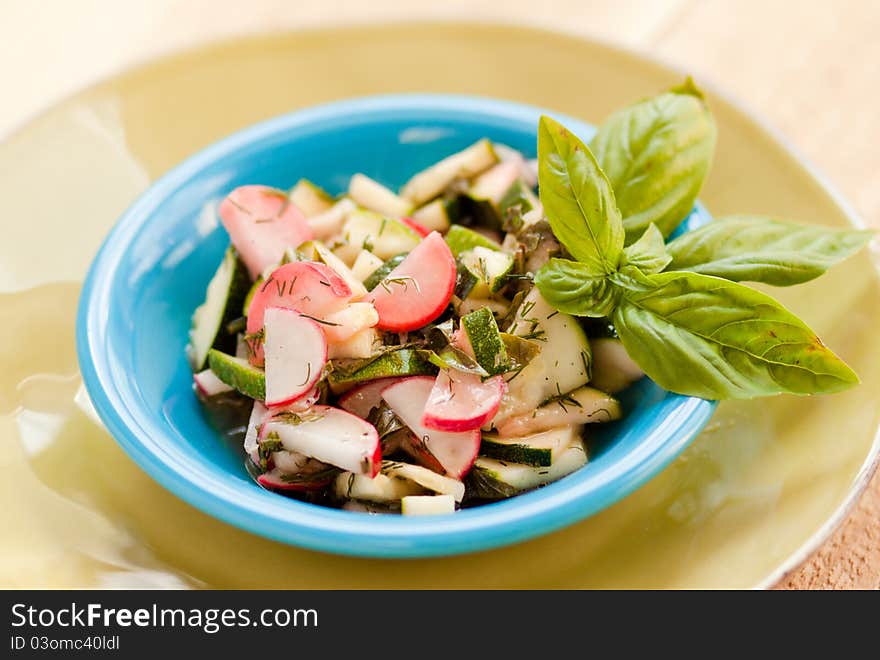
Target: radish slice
262, 223
348, 321
296, 352
329, 435
418, 227
456, 452
258, 414
418, 290
462, 402
362, 399
308, 287
209, 385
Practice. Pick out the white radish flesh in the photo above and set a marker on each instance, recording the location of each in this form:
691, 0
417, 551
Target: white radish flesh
454, 451
296, 352
329, 435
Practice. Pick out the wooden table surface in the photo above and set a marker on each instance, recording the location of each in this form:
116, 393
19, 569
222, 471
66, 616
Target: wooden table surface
810, 68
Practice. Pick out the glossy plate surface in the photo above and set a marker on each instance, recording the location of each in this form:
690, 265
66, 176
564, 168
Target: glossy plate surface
761, 485
152, 272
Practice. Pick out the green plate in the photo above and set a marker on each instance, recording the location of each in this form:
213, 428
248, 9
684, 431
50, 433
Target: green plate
760, 488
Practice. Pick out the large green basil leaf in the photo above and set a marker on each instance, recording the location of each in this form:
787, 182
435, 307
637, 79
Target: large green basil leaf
656, 155
573, 288
708, 337
578, 200
756, 249
648, 254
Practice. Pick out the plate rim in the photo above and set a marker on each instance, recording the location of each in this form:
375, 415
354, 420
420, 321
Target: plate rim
662, 63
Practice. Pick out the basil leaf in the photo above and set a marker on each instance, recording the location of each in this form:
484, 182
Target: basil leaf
577, 198
756, 249
574, 288
708, 337
656, 155
648, 254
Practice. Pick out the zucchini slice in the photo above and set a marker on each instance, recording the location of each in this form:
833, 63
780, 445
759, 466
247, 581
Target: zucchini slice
309, 198
494, 479
373, 196
402, 362
486, 342
223, 303
381, 488
429, 183
565, 350
384, 237
490, 267
239, 374
461, 239
435, 215
427, 505
538, 449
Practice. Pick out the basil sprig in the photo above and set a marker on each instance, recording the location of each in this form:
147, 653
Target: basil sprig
678, 308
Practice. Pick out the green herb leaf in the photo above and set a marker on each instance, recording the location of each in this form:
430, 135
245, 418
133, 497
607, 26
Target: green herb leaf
453, 358
648, 254
574, 288
708, 337
757, 249
656, 155
578, 199
519, 351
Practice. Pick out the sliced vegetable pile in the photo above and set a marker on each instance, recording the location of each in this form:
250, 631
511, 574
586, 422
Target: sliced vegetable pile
412, 352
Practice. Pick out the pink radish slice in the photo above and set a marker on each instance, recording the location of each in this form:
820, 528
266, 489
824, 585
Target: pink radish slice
208, 384
418, 290
456, 452
348, 321
262, 223
462, 402
416, 226
274, 480
296, 352
362, 399
329, 435
306, 286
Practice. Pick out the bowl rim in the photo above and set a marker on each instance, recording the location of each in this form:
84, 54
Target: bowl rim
321, 528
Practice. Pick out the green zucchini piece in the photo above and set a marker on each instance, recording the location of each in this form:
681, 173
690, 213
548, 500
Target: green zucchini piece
494, 479
382, 271
486, 342
461, 239
490, 267
565, 359
431, 182
537, 449
239, 374
223, 304
246, 303
384, 237
437, 215
309, 198
373, 196
401, 362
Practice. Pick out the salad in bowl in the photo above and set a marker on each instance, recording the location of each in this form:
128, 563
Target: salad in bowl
454, 342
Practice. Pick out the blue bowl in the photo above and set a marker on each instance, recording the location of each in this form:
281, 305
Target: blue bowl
151, 273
